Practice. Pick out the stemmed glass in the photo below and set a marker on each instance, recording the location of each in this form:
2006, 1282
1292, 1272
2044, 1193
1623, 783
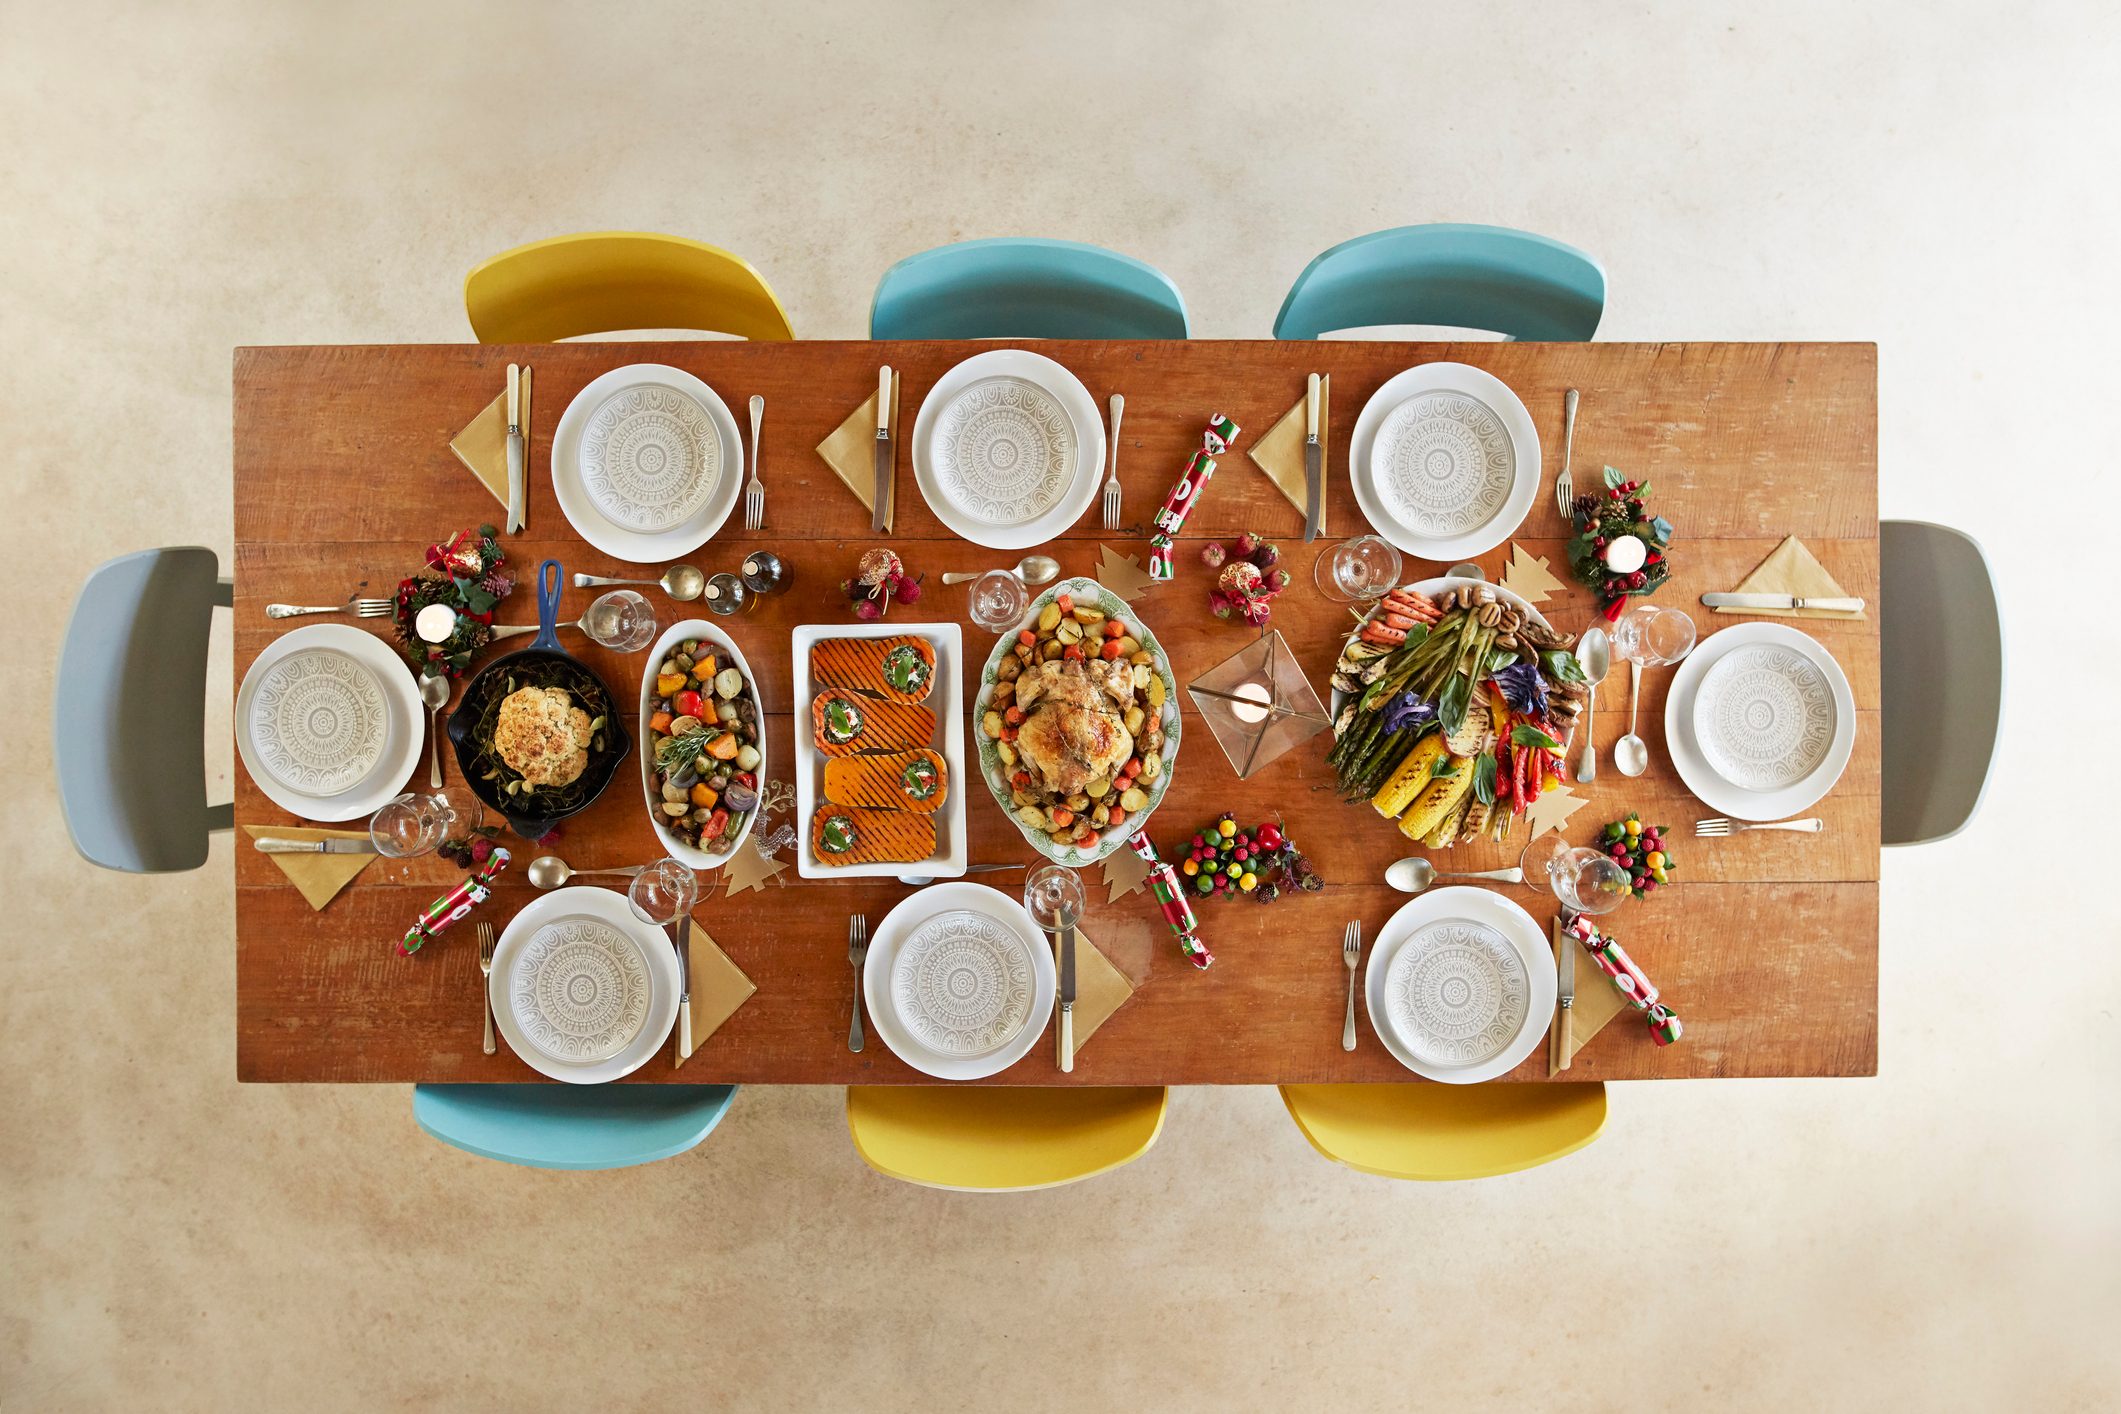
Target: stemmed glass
998, 600
415, 824
1585, 880
621, 621
1653, 637
1053, 895
663, 893
1356, 570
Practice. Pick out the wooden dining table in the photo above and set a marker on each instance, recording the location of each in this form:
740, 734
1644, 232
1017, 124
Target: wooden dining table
1766, 944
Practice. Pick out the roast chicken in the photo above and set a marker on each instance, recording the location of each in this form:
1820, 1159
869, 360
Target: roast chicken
1074, 730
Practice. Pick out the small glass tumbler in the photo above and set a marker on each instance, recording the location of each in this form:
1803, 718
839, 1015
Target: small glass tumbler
1652, 636
998, 600
1053, 895
621, 621
415, 824
1585, 880
663, 892
1356, 570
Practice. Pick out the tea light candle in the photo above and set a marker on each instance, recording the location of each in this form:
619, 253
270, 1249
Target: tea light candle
1256, 701
1626, 554
435, 623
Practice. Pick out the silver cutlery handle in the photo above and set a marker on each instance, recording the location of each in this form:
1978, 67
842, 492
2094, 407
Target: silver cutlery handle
1811, 826
1568, 428
1587, 764
1512, 875
960, 576
854, 1027
1347, 1027
758, 413
289, 611
1067, 1037
486, 1006
1634, 697
592, 581
434, 750
628, 872
1119, 409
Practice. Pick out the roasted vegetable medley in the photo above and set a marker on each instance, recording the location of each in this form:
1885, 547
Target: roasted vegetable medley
704, 733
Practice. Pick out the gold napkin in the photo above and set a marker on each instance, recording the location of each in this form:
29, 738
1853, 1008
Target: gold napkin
851, 451
1100, 988
318, 876
719, 986
1280, 454
1597, 1000
1792, 569
483, 444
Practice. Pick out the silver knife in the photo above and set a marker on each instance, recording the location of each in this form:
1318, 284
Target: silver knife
677, 940
1565, 995
880, 497
1067, 993
1780, 601
268, 845
515, 455
1314, 465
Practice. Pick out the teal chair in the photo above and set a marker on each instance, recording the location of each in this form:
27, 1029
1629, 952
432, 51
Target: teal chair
1021, 288
1514, 283
1940, 630
571, 1126
129, 713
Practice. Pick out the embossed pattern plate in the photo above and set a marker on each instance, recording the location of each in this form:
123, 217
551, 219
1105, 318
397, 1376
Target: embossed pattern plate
308, 706
650, 457
962, 984
1444, 461
319, 721
1460, 985
579, 990
514, 971
1764, 717
1008, 449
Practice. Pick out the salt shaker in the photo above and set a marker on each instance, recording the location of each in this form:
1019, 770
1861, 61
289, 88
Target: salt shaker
725, 595
765, 573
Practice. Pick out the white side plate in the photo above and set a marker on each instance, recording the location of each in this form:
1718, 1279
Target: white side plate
404, 736
1006, 915
1486, 911
580, 506
1008, 449
1444, 460
606, 907
1695, 763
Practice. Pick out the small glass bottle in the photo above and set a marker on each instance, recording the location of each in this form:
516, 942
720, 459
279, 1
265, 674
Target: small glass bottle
765, 573
725, 595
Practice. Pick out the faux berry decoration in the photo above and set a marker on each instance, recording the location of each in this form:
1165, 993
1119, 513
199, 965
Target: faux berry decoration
1619, 549
1250, 578
1225, 859
1640, 849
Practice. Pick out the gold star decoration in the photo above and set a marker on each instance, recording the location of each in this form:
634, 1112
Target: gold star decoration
1125, 873
1552, 809
1527, 576
1122, 574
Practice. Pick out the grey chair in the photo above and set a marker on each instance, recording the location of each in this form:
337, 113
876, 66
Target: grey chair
129, 716
1941, 629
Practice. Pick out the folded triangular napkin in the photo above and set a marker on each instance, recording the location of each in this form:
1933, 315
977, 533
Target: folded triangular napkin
1597, 1000
851, 451
1100, 988
1793, 569
483, 444
318, 876
719, 986
1280, 454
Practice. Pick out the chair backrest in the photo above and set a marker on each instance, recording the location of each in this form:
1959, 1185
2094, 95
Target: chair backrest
600, 282
1940, 628
978, 1140
1446, 1132
129, 712
1024, 288
571, 1126
1468, 277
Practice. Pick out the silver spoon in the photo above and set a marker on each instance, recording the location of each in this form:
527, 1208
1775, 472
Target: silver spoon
1031, 569
1594, 654
549, 871
1631, 753
1411, 876
917, 881
680, 582
434, 691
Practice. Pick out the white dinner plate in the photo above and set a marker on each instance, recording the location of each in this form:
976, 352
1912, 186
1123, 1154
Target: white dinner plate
634, 468
1460, 985
579, 989
1444, 460
959, 981
280, 771
1008, 449
1760, 721
611, 914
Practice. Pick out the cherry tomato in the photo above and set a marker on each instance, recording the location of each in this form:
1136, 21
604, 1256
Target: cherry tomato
688, 704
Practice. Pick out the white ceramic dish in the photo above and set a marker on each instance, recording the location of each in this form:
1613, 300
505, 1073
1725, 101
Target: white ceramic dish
319, 721
1087, 592
1432, 588
1468, 920
961, 984
1006, 917
579, 990
1444, 460
1809, 771
404, 732
1008, 449
946, 699
725, 647
708, 509
650, 457
605, 907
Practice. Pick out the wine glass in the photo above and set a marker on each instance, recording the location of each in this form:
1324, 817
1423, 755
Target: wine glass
621, 621
663, 893
1585, 880
1356, 570
1652, 636
998, 600
1053, 895
413, 824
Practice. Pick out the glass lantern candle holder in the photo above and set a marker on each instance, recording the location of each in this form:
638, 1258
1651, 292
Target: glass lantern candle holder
1258, 704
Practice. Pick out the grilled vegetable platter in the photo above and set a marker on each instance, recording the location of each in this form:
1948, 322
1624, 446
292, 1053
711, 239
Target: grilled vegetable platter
706, 743
1453, 704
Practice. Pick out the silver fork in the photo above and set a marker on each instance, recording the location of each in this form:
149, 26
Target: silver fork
1119, 407
857, 954
1565, 484
361, 608
1351, 953
486, 973
755, 492
1718, 826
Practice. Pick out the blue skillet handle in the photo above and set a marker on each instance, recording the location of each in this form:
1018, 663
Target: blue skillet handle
549, 582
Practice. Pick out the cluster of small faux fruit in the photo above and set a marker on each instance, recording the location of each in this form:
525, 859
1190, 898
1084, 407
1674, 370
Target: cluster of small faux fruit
1224, 859
1640, 850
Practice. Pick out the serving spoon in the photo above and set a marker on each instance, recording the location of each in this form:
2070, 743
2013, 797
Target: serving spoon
1031, 569
549, 871
1594, 654
680, 582
434, 691
1411, 876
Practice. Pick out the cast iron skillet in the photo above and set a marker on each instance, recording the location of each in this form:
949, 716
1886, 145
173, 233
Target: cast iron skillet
543, 664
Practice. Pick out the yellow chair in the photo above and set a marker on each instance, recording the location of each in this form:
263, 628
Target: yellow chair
1001, 1140
601, 282
1444, 1132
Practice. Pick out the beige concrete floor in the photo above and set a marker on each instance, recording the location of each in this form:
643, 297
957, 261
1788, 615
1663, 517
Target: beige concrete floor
179, 179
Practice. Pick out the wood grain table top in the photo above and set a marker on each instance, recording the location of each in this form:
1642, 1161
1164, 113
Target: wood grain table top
1767, 947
